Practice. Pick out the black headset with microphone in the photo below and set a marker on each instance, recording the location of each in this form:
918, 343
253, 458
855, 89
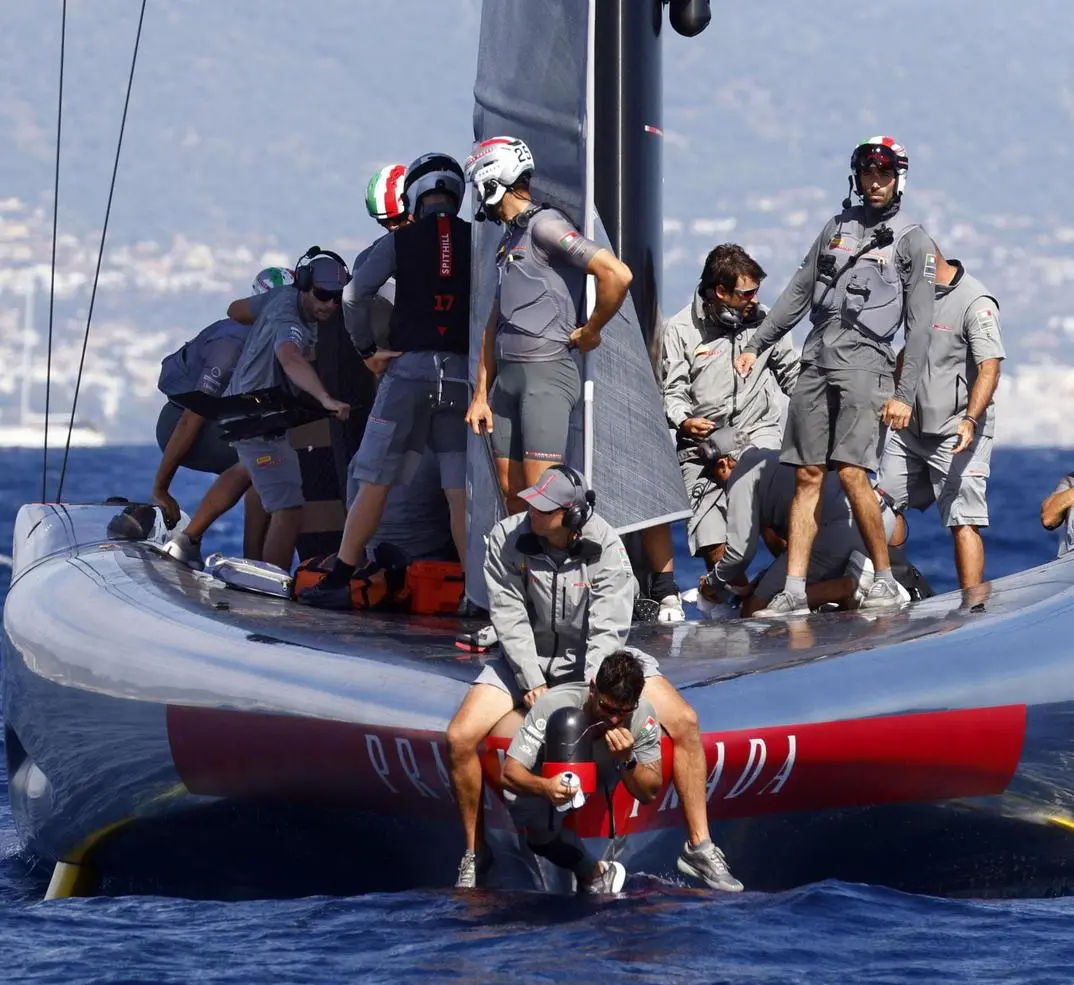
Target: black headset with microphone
578, 513
304, 266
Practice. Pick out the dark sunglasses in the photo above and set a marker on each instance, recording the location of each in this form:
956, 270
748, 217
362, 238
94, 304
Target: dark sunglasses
614, 709
322, 295
751, 293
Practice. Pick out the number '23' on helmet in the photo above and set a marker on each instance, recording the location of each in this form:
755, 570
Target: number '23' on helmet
884, 152
494, 165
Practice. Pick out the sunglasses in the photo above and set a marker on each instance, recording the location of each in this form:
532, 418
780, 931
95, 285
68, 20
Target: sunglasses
748, 294
326, 296
613, 709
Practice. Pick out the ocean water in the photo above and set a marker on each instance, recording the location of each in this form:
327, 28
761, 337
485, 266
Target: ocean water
656, 932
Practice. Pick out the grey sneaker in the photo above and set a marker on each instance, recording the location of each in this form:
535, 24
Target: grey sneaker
885, 595
184, 550
467, 878
706, 862
860, 568
608, 883
671, 609
784, 604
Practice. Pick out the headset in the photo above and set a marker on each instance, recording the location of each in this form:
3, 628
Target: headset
578, 513
304, 270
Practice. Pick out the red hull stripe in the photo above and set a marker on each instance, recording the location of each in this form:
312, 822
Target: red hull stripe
920, 757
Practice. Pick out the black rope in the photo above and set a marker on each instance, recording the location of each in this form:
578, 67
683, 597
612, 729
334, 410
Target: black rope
100, 254
52, 269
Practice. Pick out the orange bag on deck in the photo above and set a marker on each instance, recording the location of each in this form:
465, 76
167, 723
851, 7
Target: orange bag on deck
380, 585
434, 587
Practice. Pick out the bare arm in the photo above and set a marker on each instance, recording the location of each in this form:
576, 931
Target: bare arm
613, 280
486, 366
305, 377
521, 781
241, 311
179, 444
1053, 511
984, 388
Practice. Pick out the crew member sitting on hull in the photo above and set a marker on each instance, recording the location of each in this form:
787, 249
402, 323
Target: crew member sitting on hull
759, 495
1055, 512
528, 382
561, 595
621, 728
871, 270
186, 439
944, 455
421, 400
277, 354
702, 391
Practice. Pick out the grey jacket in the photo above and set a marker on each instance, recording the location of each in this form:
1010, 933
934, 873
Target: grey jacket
699, 378
563, 612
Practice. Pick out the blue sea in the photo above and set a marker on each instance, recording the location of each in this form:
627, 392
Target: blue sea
657, 932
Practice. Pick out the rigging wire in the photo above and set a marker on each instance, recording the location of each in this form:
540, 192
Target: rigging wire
52, 267
100, 254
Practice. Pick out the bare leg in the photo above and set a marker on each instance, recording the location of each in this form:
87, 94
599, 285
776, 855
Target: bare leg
512, 482
659, 550
282, 536
226, 490
712, 555
969, 556
483, 706
363, 518
457, 505
689, 770
255, 523
866, 509
804, 518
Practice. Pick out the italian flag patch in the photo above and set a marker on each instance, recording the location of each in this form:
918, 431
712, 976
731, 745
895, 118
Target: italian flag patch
649, 727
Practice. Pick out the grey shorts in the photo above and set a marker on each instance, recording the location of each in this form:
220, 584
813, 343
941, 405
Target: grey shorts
209, 453
274, 471
407, 417
498, 673
919, 470
832, 548
531, 409
834, 416
707, 525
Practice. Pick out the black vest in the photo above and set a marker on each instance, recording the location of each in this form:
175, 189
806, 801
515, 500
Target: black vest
432, 286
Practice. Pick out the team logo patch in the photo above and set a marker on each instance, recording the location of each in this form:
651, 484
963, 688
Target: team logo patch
930, 267
569, 239
264, 461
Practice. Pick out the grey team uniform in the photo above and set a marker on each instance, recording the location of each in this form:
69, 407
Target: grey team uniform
534, 814
542, 262
380, 306
1066, 531
847, 359
405, 418
271, 461
918, 468
759, 495
699, 380
204, 365
557, 614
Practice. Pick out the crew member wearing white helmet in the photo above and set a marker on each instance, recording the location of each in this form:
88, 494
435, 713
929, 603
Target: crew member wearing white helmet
422, 397
528, 382
870, 271
203, 365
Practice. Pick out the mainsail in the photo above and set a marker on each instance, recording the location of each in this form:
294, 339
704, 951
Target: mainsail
534, 81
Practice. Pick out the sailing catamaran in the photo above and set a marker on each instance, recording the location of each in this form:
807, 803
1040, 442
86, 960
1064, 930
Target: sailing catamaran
168, 733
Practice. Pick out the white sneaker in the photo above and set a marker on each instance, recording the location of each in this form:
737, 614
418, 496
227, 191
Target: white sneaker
671, 609
608, 882
885, 595
860, 568
784, 604
184, 550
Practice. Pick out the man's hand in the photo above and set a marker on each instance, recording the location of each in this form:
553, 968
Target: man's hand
620, 743
337, 407
168, 506
697, 427
378, 362
556, 789
585, 339
531, 697
479, 416
895, 414
966, 431
744, 363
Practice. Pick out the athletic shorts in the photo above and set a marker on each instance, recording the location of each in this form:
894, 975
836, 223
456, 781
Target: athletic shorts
498, 673
832, 548
412, 411
531, 409
707, 525
919, 470
834, 416
274, 471
209, 453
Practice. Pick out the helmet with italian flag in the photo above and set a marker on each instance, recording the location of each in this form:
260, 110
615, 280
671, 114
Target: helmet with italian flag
384, 193
272, 277
884, 152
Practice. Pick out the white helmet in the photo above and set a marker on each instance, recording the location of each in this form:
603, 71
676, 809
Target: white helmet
384, 193
883, 150
271, 278
494, 165
432, 173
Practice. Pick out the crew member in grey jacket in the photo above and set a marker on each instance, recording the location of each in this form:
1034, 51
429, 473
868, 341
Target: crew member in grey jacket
943, 457
561, 593
871, 270
703, 392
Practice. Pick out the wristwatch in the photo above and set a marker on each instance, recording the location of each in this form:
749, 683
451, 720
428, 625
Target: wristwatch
628, 766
